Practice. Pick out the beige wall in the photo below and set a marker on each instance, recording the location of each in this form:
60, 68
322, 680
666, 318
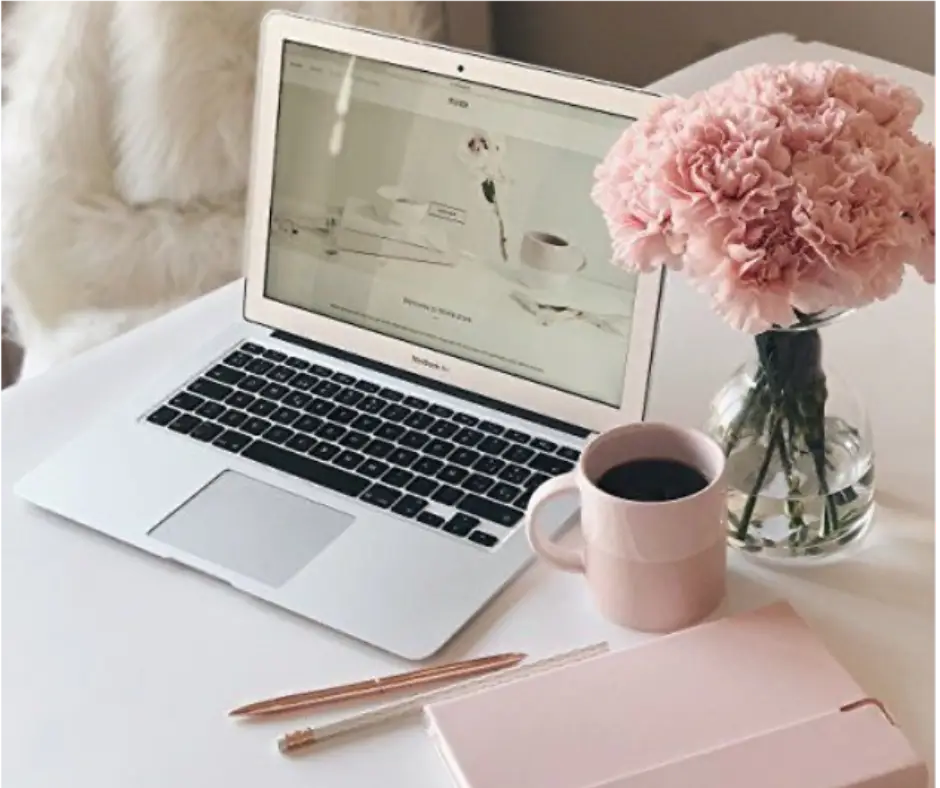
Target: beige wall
638, 42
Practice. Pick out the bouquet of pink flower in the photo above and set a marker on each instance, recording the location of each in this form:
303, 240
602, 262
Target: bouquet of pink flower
784, 193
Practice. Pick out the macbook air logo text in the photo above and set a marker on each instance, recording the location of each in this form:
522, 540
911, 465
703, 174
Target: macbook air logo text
426, 362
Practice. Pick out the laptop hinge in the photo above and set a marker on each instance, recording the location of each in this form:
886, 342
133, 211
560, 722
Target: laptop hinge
434, 385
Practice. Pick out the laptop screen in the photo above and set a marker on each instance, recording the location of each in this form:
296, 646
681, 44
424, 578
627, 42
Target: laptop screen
454, 216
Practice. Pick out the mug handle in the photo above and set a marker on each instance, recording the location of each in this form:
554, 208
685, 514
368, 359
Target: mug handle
564, 558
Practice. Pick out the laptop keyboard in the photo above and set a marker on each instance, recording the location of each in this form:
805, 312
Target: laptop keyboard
442, 468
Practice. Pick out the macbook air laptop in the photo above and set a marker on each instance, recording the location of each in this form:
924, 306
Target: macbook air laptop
431, 328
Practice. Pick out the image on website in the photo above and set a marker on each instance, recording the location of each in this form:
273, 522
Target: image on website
451, 216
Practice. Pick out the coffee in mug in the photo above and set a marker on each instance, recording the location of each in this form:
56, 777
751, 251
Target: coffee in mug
653, 520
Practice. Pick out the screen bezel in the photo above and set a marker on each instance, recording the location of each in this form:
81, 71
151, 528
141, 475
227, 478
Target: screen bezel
280, 27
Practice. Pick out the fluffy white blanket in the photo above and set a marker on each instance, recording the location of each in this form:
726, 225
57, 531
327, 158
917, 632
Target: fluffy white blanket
125, 154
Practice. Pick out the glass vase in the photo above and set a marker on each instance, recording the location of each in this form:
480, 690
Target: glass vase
799, 449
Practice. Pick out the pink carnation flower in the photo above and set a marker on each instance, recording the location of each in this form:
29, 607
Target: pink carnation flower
795, 187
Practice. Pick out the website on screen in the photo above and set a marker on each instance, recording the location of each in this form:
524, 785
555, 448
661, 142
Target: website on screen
453, 216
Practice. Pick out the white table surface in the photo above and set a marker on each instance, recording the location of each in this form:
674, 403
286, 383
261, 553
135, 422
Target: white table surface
118, 667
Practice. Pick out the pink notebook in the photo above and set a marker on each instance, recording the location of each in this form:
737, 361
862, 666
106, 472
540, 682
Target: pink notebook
752, 700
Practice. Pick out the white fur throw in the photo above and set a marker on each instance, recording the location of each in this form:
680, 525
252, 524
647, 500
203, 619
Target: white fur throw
125, 154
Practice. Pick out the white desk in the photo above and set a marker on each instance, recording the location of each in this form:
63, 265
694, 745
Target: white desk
118, 668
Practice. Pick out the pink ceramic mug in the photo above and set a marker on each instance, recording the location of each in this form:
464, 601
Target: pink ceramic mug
653, 566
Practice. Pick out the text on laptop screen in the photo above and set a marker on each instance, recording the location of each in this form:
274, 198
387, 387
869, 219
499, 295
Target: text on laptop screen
450, 215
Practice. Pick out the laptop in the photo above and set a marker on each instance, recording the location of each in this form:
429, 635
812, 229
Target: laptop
431, 328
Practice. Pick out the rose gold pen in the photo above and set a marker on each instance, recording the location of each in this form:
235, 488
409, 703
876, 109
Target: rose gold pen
362, 690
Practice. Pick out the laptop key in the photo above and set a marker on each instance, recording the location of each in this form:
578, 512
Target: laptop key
366, 423
488, 465
325, 451
349, 397
390, 395
505, 493
553, 466
428, 466
300, 442
239, 399
378, 448
224, 374
395, 413
232, 441
275, 355
447, 495
461, 524
297, 399
418, 420
320, 370
354, 440
421, 486
282, 374
403, 457
275, 391
233, 418
518, 454
297, 363
325, 388
491, 427
306, 468
320, 407
414, 440
439, 448
390, 432
483, 538
522, 502
331, 432
307, 423
443, 429
255, 426
163, 415
285, 415
278, 434
452, 474
514, 474
409, 506
185, 423
372, 468
303, 381
372, 405
543, 445
380, 495
414, 402
397, 477
440, 411
535, 480
251, 347
186, 401
489, 510
466, 419
342, 415
468, 437
494, 446
367, 386
252, 384
206, 432
477, 483
348, 460
343, 379
211, 409
515, 436
262, 407
258, 366
210, 389
465, 457
430, 519
569, 453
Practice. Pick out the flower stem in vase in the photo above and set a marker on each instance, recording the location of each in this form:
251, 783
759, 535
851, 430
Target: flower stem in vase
489, 193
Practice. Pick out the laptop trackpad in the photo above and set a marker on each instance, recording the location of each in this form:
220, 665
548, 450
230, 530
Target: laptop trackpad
251, 528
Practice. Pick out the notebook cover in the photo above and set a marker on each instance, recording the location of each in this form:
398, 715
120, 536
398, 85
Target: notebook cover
616, 720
